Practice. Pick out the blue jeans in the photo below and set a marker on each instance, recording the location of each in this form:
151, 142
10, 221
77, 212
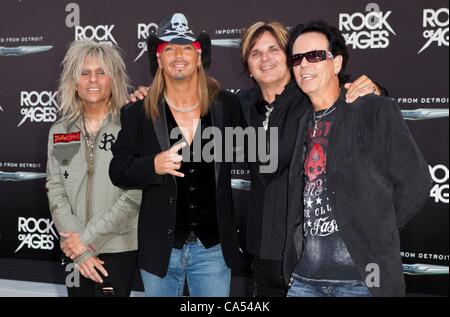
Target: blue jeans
205, 271
303, 287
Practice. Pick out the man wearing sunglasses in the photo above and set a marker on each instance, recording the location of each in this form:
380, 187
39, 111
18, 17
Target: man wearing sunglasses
355, 179
274, 102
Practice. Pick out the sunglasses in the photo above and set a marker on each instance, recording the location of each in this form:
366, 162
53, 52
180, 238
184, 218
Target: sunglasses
311, 57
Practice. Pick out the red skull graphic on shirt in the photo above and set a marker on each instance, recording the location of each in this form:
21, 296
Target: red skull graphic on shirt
316, 162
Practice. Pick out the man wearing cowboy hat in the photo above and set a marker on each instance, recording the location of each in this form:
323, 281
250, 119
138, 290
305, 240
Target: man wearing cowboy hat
186, 222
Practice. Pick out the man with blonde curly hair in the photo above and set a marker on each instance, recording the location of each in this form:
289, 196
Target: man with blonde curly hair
96, 220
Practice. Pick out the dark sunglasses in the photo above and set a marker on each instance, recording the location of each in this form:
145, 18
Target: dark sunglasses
311, 57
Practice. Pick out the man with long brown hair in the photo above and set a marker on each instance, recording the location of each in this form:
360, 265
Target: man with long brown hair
274, 102
186, 221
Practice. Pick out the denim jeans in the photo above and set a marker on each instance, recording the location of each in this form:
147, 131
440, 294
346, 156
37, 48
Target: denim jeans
204, 269
303, 287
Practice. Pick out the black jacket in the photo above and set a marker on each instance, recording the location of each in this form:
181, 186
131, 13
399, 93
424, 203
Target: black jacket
132, 166
266, 218
378, 179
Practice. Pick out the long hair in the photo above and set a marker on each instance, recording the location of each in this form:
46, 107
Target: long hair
207, 90
255, 31
110, 57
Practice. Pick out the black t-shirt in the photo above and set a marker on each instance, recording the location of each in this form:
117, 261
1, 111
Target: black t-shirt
325, 256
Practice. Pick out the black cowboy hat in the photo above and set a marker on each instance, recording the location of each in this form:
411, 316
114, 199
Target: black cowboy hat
175, 29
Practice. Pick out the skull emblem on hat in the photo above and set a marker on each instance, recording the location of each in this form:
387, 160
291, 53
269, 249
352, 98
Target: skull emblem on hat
179, 24
176, 29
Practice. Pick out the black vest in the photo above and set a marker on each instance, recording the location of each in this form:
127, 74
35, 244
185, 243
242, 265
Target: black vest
196, 192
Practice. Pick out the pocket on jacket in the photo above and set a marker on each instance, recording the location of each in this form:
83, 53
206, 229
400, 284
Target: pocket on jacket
66, 155
65, 152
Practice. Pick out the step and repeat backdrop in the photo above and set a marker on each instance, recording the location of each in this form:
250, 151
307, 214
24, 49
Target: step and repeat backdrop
403, 45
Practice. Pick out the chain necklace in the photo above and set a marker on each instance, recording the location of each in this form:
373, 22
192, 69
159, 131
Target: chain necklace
181, 109
319, 117
90, 140
269, 109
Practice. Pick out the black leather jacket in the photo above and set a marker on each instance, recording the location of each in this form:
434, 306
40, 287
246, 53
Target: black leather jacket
378, 179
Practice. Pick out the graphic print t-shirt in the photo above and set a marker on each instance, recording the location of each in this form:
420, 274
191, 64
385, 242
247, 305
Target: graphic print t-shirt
325, 256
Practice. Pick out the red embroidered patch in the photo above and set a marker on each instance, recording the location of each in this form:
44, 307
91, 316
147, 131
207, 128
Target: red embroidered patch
66, 138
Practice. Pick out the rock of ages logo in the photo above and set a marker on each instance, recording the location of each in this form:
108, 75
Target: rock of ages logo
439, 175
38, 106
36, 233
143, 30
99, 33
435, 24
366, 30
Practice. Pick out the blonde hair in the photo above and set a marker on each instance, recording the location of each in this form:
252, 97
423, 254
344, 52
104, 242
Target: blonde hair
254, 32
110, 57
207, 89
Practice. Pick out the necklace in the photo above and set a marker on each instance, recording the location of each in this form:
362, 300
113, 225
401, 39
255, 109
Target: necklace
90, 140
181, 109
269, 109
319, 117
